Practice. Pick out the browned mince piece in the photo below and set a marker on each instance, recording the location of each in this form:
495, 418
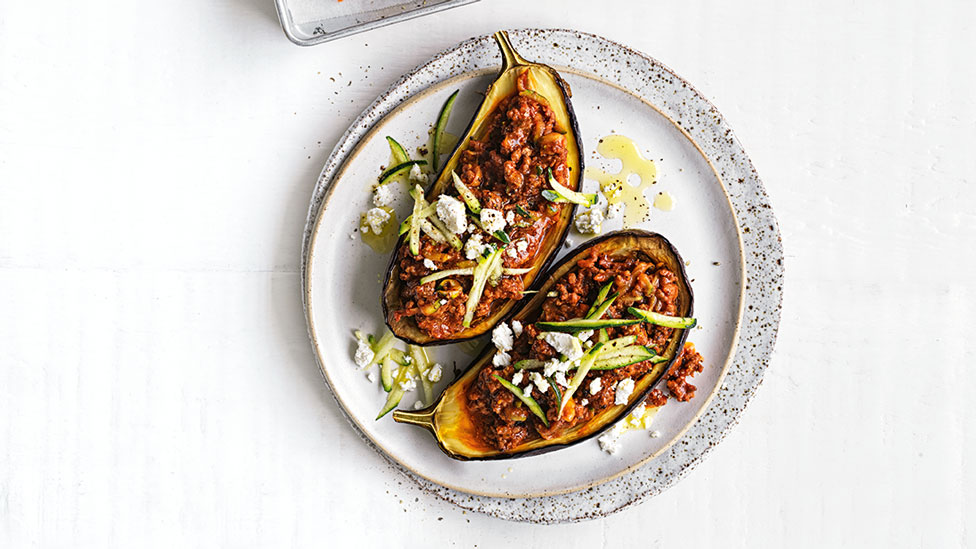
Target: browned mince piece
688, 364
504, 420
503, 168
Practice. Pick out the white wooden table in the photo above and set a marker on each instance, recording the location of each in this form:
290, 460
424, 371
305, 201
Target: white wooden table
157, 388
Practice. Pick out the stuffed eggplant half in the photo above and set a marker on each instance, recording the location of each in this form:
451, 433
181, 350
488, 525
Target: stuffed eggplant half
602, 332
496, 214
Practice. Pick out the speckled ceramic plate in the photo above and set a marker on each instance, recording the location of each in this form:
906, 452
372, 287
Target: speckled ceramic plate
722, 225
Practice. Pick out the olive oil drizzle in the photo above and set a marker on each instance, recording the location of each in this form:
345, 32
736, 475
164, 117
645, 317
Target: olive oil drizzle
616, 187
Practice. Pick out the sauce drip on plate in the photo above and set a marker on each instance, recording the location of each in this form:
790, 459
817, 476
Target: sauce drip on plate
616, 187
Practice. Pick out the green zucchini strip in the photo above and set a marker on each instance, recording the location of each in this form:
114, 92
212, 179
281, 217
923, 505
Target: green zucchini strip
400, 168
396, 392
428, 211
588, 359
620, 343
451, 237
633, 355
469, 198
480, 273
561, 194
399, 153
466, 271
418, 204
386, 373
663, 320
604, 336
600, 297
499, 235
582, 324
602, 309
421, 364
529, 364
430, 230
527, 400
439, 127
555, 387
522, 212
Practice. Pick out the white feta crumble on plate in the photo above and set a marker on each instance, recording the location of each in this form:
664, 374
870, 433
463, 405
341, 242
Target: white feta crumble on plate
502, 337
501, 359
451, 211
383, 195
596, 385
610, 441
589, 222
473, 248
376, 218
517, 378
434, 373
408, 384
364, 354
492, 220
613, 210
429, 264
371, 377
516, 328
624, 388
417, 175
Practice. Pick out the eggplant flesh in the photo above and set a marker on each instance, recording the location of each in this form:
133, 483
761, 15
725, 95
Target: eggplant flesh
456, 431
546, 83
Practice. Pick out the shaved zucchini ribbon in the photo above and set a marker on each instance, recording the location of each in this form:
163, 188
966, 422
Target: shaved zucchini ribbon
482, 272
427, 223
560, 194
439, 127
527, 400
412, 363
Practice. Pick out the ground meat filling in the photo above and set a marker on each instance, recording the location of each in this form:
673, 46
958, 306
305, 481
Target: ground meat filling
504, 420
504, 168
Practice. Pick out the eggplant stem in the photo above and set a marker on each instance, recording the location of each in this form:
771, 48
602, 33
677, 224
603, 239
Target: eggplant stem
423, 418
510, 57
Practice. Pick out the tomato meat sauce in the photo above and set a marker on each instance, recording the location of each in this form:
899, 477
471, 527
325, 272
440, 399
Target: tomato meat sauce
503, 419
506, 170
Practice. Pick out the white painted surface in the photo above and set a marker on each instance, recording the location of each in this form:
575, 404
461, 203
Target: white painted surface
156, 384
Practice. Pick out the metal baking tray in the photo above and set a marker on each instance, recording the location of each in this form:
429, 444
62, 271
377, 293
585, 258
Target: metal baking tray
310, 22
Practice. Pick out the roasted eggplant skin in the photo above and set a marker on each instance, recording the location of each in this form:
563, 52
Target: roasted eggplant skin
406, 329
448, 419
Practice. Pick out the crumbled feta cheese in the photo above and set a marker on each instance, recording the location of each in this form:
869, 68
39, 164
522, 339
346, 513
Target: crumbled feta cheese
376, 218
517, 378
429, 264
417, 175
364, 354
510, 251
624, 388
596, 385
589, 221
510, 217
540, 382
516, 328
655, 434
564, 344
551, 367
383, 195
585, 335
610, 441
527, 390
371, 377
473, 248
451, 211
501, 358
613, 210
408, 384
636, 418
492, 220
584, 402
434, 373
418, 405
443, 302
521, 245
502, 337
560, 379
472, 227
